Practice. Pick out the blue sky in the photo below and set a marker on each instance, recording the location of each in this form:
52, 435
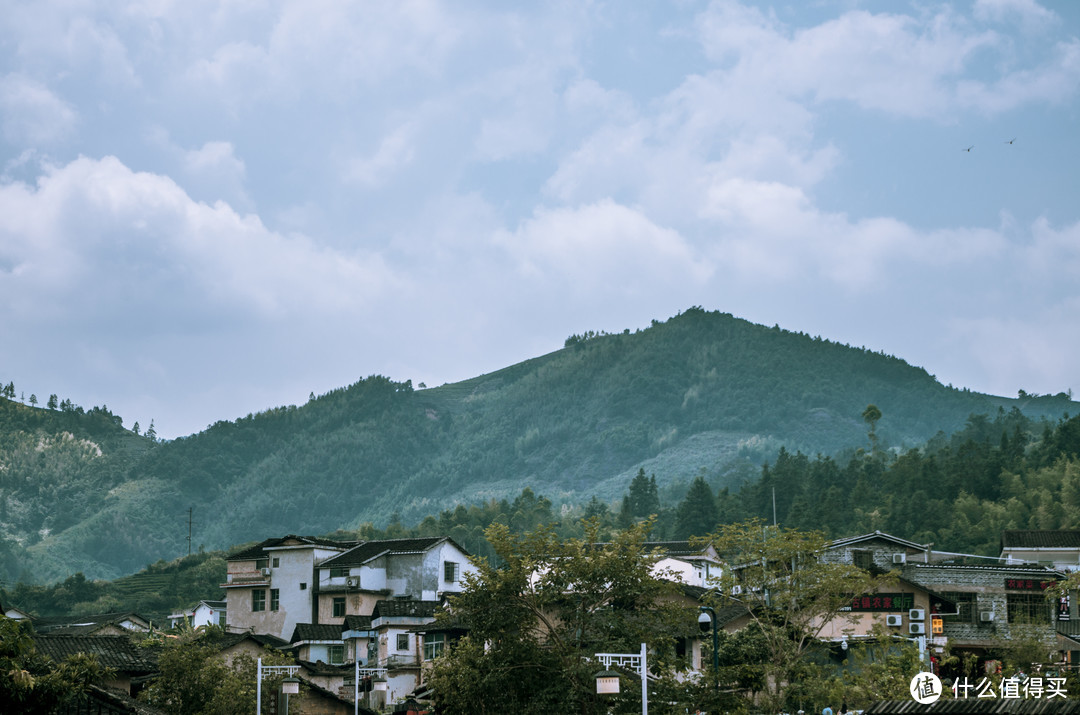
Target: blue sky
209, 209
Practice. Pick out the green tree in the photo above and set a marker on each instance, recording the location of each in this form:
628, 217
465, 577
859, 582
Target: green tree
871, 415
31, 683
51, 404
791, 594
195, 680
536, 621
697, 513
33, 399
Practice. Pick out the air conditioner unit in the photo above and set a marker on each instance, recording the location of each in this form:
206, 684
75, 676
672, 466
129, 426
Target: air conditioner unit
986, 616
916, 614
895, 621
899, 558
736, 590
917, 629
353, 581
265, 570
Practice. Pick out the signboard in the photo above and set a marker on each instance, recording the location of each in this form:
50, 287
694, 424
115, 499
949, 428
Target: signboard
883, 602
1028, 584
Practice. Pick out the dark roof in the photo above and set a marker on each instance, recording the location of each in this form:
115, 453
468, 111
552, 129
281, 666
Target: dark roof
675, 548
321, 668
316, 632
849, 540
1040, 539
116, 652
357, 623
404, 607
910, 568
364, 552
259, 550
115, 702
84, 625
228, 640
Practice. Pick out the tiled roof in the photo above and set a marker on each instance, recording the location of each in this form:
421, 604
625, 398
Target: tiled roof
259, 550
403, 607
849, 540
116, 652
368, 550
84, 625
316, 632
228, 640
674, 548
357, 623
1040, 539
1002, 567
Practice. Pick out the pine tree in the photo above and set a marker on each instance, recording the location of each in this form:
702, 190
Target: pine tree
697, 513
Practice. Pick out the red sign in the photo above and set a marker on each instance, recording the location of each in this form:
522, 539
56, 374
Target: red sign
1028, 584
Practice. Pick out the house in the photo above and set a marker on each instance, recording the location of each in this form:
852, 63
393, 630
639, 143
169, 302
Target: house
200, 615
269, 587
130, 664
948, 599
1056, 548
276, 585
695, 566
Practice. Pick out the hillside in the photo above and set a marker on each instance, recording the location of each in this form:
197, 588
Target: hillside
701, 392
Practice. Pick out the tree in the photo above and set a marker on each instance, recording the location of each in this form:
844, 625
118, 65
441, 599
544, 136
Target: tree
151, 433
791, 594
31, 683
195, 680
536, 621
52, 403
33, 399
697, 514
871, 415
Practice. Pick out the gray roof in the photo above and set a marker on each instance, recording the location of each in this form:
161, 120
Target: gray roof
258, 551
1040, 539
116, 652
316, 632
368, 550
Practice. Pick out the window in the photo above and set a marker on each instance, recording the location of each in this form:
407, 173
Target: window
450, 572
303, 586
339, 607
863, 559
336, 653
433, 645
403, 641
339, 572
274, 598
965, 604
1027, 608
258, 599
277, 562
262, 563
221, 618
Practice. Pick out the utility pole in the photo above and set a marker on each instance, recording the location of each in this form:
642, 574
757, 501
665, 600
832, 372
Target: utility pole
189, 511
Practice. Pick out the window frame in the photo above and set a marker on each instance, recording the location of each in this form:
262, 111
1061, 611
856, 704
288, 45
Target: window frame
339, 650
275, 599
451, 571
403, 638
434, 645
258, 600
337, 607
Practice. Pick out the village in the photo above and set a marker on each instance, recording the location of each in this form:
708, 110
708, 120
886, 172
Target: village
355, 622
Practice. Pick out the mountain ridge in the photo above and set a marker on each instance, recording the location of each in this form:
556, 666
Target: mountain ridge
703, 392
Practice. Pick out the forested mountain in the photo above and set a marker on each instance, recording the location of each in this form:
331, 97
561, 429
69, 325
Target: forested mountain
700, 394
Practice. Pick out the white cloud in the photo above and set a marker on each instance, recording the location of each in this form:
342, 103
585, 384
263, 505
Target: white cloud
600, 247
1030, 13
32, 114
396, 150
138, 243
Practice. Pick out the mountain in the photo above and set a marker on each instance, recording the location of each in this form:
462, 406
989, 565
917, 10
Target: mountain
700, 393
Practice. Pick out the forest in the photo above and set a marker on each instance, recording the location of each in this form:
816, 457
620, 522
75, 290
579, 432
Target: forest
956, 491
703, 394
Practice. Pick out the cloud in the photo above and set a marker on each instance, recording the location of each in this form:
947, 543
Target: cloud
32, 114
1030, 13
141, 246
600, 247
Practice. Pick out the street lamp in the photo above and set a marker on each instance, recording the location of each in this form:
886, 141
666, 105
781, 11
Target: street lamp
289, 686
607, 681
708, 615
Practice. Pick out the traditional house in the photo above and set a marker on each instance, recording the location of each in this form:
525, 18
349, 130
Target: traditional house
130, 664
101, 624
694, 566
200, 615
1056, 548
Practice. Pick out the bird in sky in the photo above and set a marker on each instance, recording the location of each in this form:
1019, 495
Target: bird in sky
969, 148
1011, 140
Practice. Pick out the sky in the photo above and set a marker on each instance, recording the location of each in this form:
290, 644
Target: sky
209, 209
